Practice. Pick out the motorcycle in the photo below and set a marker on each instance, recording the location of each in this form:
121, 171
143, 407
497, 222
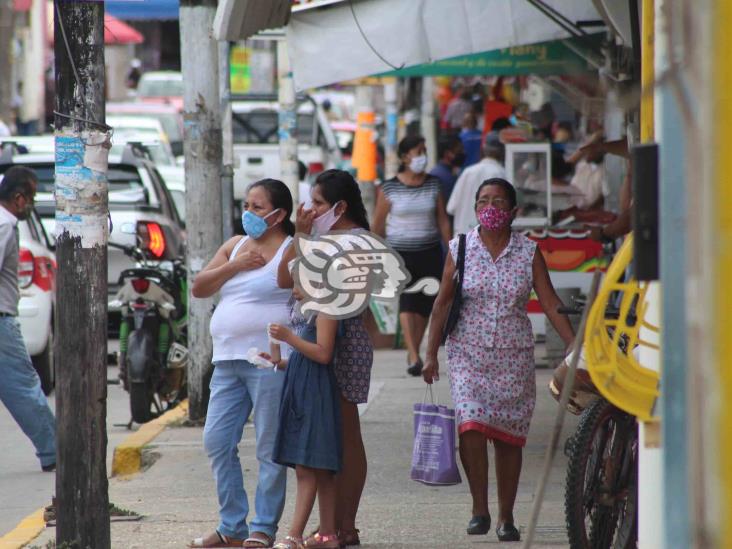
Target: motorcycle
153, 355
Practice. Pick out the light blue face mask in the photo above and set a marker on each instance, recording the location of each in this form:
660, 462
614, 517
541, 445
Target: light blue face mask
254, 225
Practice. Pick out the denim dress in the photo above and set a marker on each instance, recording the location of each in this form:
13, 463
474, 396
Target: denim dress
309, 431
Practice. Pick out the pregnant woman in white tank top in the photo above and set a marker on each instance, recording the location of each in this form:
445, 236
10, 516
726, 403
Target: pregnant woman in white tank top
244, 272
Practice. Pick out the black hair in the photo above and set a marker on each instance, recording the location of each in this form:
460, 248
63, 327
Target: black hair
17, 180
302, 170
406, 145
280, 197
340, 186
505, 185
500, 124
447, 143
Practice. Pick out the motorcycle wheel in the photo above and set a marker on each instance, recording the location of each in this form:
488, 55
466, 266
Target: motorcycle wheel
601, 493
140, 402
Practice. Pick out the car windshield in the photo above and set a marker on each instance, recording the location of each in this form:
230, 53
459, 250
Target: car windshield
125, 185
261, 126
159, 155
167, 87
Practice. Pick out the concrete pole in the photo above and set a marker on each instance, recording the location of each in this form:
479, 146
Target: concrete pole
6, 59
365, 104
391, 164
203, 157
427, 121
287, 123
80, 350
227, 170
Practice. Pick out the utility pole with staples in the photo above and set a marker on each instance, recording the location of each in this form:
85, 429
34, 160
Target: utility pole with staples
82, 147
203, 154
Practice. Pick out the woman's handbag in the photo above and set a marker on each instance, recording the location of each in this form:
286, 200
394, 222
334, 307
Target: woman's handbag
457, 301
433, 455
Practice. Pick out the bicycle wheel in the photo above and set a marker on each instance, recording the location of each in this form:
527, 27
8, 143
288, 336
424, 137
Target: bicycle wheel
601, 495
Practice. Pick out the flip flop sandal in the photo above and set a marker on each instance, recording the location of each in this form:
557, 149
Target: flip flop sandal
223, 541
289, 542
253, 542
319, 541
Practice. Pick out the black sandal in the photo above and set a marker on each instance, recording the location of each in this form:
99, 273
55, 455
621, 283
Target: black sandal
416, 368
508, 532
479, 525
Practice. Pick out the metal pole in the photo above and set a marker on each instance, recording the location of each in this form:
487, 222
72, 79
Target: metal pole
671, 131
287, 123
227, 170
6, 60
82, 509
427, 121
203, 157
392, 126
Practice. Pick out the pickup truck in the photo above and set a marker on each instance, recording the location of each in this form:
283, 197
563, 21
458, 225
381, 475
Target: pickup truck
256, 141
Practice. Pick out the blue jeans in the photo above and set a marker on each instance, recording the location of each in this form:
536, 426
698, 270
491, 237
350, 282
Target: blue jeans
237, 387
20, 392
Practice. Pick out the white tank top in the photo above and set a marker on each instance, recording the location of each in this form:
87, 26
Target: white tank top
249, 301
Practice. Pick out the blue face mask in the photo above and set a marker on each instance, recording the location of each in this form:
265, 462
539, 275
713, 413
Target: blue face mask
254, 225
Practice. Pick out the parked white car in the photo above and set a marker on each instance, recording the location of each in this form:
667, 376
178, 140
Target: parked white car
37, 282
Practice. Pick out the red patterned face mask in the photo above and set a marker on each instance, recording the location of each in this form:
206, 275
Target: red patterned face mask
494, 219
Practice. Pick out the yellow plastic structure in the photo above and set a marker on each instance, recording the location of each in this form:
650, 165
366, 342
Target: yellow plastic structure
619, 377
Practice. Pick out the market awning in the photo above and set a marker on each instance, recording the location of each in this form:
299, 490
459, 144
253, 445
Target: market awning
241, 19
348, 40
117, 32
142, 10
555, 57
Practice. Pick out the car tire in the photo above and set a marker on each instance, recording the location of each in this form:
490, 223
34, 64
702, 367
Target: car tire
45, 366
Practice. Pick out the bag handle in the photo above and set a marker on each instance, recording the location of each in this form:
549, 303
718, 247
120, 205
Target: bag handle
461, 259
432, 395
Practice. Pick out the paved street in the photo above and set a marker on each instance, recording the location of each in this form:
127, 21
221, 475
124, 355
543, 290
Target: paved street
24, 487
176, 493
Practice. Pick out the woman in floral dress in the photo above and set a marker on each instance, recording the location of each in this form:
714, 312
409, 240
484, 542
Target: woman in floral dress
490, 352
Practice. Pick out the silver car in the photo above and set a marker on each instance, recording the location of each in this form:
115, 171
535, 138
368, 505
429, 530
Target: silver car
137, 193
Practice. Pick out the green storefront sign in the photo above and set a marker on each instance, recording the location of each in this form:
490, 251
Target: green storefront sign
544, 58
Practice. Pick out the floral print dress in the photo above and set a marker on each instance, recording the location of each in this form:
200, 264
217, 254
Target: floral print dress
490, 352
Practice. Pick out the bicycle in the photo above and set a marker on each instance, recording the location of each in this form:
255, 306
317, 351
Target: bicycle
601, 497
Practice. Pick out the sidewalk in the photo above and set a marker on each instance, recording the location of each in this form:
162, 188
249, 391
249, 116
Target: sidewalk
176, 492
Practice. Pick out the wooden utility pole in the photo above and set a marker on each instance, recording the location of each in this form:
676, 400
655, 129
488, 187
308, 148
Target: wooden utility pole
203, 154
6, 60
82, 509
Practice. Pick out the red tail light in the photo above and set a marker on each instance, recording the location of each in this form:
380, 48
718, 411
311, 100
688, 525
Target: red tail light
26, 268
44, 274
315, 168
153, 238
141, 285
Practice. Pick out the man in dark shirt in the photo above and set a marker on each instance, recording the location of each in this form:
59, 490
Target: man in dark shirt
451, 159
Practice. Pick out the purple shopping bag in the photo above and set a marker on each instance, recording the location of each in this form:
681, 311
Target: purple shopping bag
433, 456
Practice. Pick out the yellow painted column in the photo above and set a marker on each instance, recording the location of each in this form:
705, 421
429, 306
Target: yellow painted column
647, 70
722, 253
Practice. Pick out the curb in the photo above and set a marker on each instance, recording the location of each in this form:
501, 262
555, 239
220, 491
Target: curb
27, 530
127, 458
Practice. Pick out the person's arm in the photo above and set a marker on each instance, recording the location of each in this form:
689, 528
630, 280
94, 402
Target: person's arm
443, 222
378, 226
6, 233
440, 310
220, 269
622, 225
284, 277
626, 190
549, 299
322, 350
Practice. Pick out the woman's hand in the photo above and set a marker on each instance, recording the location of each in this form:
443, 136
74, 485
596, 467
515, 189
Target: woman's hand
297, 294
248, 261
304, 220
431, 370
280, 332
281, 365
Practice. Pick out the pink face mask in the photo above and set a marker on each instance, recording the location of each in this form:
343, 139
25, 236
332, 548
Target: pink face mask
494, 219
